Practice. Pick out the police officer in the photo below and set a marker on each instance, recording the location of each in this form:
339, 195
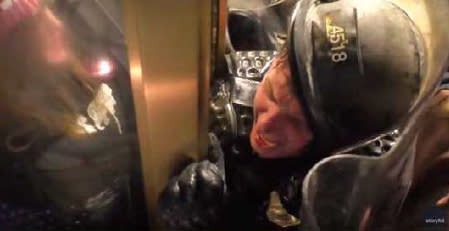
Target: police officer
351, 70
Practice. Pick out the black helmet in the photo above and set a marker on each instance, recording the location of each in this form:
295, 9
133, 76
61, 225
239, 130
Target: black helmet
247, 32
357, 65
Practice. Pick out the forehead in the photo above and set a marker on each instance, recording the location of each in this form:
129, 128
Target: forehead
279, 78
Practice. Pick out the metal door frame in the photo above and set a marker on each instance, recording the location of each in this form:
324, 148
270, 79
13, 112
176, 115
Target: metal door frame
170, 48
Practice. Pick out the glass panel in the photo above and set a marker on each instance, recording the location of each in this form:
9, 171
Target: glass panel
69, 153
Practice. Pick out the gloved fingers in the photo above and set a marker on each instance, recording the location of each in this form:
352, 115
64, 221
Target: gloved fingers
187, 183
193, 200
210, 183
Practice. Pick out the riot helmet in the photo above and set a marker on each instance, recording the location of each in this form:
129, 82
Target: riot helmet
357, 66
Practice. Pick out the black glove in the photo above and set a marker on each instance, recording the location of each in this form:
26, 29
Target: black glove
194, 200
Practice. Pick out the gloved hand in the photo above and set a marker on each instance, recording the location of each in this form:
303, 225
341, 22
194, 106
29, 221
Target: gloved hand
194, 200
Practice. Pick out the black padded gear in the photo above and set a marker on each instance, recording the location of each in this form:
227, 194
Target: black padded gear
194, 200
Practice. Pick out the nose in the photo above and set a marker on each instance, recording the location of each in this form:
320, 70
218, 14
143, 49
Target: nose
269, 119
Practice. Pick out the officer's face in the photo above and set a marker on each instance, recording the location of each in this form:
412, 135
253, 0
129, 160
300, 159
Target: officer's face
280, 129
51, 38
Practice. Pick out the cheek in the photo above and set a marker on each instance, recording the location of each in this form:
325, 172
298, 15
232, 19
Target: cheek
57, 55
53, 43
57, 49
297, 133
299, 136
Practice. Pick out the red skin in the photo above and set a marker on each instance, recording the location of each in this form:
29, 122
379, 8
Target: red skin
280, 129
52, 39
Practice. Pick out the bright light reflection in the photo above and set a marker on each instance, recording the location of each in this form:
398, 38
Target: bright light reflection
103, 67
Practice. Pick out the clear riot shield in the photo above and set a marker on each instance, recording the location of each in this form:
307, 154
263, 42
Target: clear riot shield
349, 192
68, 147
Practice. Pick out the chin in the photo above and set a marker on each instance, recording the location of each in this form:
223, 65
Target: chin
270, 154
277, 154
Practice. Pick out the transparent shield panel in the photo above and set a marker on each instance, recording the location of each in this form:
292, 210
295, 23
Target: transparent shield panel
270, 166
69, 150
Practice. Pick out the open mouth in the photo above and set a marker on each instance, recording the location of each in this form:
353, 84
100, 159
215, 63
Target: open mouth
262, 142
